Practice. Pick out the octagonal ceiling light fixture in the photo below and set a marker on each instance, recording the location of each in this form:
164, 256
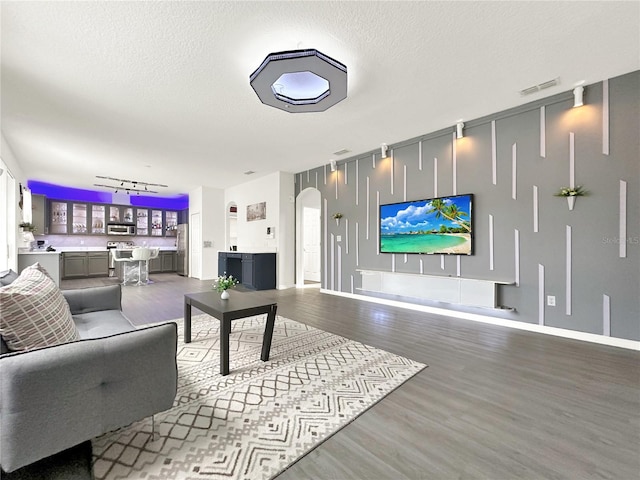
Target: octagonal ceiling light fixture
299, 81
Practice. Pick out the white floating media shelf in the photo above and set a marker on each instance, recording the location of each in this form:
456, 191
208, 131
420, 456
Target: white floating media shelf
458, 290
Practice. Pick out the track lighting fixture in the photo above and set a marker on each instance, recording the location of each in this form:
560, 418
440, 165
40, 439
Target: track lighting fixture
383, 150
459, 130
578, 94
132, 188
334, 166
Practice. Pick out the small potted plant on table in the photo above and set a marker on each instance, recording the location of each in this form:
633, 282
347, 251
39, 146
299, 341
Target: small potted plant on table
224, 283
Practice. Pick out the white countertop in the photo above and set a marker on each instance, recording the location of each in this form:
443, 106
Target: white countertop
38, 252
104, 249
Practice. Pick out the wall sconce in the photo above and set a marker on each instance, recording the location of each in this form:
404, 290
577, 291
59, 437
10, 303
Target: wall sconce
459, 128
578, 94
383, 150
334, 166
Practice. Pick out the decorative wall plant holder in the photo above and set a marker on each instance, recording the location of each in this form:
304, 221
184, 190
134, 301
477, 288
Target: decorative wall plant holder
571, 193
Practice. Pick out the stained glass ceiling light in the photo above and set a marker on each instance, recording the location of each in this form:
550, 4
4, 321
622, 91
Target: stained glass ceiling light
300, 81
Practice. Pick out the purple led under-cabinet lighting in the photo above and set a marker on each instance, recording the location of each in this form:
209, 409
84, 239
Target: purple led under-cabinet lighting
58, 192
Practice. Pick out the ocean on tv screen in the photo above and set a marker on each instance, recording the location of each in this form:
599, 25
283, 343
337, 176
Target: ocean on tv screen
426, 243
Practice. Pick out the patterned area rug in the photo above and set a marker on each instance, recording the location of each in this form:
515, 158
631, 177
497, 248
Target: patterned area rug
263, 416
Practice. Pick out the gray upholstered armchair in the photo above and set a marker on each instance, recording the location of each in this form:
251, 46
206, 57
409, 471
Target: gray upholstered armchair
56, 397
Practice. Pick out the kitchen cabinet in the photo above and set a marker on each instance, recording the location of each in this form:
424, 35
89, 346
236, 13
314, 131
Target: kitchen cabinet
120, 214
171, 222
80, 218
74, 265
58, 218
142, 222
97, 264
156, 223
38, 214
256, 271
155, 265
98, 219
85, 264
168, 261
76, 218
165, 262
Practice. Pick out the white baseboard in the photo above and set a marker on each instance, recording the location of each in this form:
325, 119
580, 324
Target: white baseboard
531, 327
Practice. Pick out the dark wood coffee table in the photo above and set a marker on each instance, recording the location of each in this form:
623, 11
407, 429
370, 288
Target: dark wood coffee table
240, 305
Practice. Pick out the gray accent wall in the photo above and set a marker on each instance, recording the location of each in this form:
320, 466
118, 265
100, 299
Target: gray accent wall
513, 162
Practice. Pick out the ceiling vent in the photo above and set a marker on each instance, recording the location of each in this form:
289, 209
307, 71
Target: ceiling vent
540, 86
342, 152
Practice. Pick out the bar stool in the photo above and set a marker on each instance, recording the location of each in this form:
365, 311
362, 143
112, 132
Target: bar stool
155, 251
142, 254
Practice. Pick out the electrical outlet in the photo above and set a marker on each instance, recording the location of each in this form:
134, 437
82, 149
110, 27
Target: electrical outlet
551, 300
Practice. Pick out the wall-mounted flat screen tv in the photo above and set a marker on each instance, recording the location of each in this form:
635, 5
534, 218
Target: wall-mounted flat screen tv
442, 225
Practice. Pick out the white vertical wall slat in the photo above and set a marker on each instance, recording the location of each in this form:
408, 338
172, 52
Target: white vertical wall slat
326, 243
377, 222
357, 244
623, 219
514, 171
339, 268
357, 181
605, 117
491, 242
494, 154
543, 132
606, 315
368, 210
346, 235
333, 262
516, 261
572, 160
541, 294
568, 279
535, 209
454, 165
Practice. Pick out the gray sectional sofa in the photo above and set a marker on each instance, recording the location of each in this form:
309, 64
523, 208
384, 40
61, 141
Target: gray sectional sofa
56, 397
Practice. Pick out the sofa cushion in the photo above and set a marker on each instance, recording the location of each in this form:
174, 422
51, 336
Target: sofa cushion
101, 324
7, 277
33, 312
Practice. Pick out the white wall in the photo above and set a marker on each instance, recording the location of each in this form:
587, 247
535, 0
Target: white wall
11, 216
277, 190
209, 203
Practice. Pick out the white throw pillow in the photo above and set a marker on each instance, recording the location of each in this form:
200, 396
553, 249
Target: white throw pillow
34, 313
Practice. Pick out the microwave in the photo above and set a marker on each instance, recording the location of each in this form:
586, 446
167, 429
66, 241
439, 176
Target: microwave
119, 229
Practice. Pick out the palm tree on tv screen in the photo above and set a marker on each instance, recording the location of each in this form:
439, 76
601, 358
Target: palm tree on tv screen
450, 212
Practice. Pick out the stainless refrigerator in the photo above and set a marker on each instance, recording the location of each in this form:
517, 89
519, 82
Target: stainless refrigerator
182, 244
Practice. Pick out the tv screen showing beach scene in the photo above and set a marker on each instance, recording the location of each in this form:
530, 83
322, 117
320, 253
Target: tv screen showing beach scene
440, 225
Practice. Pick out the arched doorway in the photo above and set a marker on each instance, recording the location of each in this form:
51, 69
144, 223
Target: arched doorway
308, 238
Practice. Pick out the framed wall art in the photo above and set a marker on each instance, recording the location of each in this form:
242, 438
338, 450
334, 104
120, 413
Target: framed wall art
257, 211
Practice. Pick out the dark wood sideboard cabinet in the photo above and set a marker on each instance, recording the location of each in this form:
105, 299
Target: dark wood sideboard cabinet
256, 271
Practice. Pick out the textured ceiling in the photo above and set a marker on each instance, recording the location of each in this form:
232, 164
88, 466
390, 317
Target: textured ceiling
159, 91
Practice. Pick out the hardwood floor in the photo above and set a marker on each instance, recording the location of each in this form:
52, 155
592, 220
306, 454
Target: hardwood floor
495, 403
